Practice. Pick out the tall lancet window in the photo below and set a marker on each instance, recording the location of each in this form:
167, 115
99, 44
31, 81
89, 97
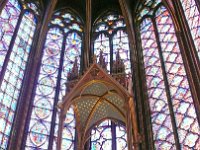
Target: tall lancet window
111, 46
173, 115
193, 19
17, 27
62, 50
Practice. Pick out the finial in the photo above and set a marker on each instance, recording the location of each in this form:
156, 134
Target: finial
73, 72
102, 61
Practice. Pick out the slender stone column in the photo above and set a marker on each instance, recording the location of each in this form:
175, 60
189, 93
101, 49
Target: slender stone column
135, 63
87, 40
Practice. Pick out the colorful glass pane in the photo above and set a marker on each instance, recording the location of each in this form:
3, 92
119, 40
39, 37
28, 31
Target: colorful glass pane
193, 18
159, 110
72, 51
13, 78
41, 117
67, 21
146, 7
181, 97
34, 7
102, 44
8, 20
101, 136
121, 44
121, 138
68, 134
112, 38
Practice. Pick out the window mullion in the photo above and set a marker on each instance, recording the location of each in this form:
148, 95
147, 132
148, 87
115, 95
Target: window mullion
111, 52
57, 92
168, 94
113, 131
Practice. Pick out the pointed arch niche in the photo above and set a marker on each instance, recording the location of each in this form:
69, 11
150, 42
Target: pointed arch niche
96, 97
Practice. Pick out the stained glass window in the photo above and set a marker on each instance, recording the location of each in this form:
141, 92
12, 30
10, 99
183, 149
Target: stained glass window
160, 115
111, 37
193, 18
68, 133
8, 21
167, 84
43, 106
17, 57
121, 138
102, 137
62, 46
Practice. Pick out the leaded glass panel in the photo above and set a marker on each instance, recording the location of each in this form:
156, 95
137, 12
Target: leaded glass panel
8, 20
102, 44
101, 136
121, 44
165, 69
13, 78
111, 42
157, 98
111, 37
181, 97
121, 138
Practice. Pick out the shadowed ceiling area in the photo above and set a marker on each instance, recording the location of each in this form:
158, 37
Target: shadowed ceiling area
98, 6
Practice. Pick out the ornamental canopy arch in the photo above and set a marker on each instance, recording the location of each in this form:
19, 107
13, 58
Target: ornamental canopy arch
97, 96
